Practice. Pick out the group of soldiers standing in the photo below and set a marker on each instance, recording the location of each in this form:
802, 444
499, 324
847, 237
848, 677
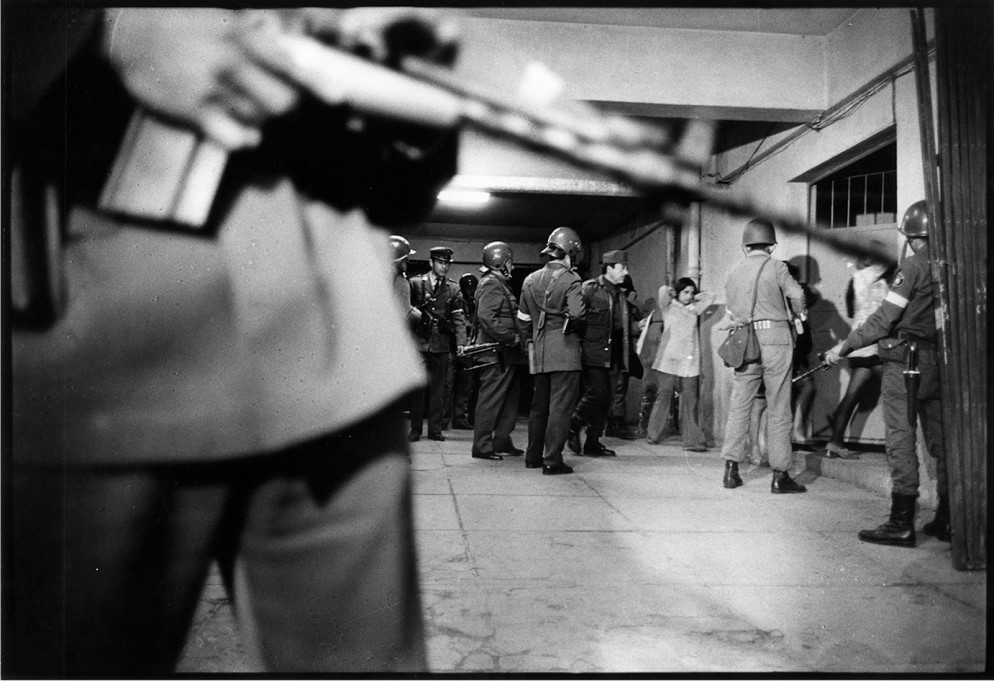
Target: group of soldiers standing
576, 334
569, 333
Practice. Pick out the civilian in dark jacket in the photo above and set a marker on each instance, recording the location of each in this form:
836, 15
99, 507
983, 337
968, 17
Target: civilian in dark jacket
607, 352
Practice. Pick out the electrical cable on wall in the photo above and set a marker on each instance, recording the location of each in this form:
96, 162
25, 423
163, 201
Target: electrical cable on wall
847, 107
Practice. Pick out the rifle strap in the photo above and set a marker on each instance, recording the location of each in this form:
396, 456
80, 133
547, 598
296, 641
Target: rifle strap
755, 290
544, 307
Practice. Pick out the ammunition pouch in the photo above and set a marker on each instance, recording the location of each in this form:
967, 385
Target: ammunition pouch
892, 350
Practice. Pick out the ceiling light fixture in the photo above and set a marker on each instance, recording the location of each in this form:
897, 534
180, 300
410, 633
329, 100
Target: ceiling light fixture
464, 197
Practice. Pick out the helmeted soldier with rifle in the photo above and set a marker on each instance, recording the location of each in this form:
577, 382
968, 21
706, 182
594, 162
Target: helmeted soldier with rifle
904, 328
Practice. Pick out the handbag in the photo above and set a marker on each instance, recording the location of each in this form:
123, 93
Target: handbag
741, 346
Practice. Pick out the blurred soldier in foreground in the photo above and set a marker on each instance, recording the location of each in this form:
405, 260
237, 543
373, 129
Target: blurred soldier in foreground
550, 320
442, 326
496, 312
226, 396
904, 329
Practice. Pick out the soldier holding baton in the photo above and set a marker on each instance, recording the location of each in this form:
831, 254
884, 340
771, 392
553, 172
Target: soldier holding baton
904, 326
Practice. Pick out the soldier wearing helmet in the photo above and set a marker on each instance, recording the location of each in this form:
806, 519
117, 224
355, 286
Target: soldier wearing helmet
904, 329
757, 291
401, 251
443, 326
549, 315
496, 312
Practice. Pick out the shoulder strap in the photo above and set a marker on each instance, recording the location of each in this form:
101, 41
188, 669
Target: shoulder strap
548, 290
755, 288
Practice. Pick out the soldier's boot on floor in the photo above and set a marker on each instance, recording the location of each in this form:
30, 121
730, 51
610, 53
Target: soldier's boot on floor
783, 483
732, 478
899, 529
939, 526
594, 448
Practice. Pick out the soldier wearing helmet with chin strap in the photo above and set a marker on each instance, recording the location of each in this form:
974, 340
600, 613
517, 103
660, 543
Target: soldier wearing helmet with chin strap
550, 319
500, 389
756, 294
904, 328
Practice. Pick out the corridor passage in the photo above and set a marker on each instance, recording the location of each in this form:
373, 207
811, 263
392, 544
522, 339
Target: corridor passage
644, 563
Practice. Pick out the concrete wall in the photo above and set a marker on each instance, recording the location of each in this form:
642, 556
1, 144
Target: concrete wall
653, 66
872, 43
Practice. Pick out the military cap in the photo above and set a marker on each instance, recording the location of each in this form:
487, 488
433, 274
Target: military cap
614, 258
442, 253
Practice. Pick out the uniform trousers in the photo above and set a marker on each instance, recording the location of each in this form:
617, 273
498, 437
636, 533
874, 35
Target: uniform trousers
901, 440
496, 408
773, 372
659, 418
466, 384
621, 378
554, 395
437, 366
315, 543
598, 393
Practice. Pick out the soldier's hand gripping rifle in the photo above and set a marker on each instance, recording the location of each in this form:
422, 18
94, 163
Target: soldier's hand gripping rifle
820, 368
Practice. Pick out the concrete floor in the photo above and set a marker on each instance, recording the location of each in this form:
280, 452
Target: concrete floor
644, 563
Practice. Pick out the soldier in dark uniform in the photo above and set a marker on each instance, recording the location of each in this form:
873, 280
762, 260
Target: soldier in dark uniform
606, 345
550, 318
500, 389
443, 319
903, 326
465, 381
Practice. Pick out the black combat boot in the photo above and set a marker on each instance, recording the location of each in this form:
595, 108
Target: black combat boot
594, 448
899, 529
783, 483
939, 526
573, 437
732, 478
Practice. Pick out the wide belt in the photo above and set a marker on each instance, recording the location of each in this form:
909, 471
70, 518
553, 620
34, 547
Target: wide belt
769, 324
923, 344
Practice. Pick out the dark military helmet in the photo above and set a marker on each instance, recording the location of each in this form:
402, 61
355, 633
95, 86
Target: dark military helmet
442, 253
916, 220
564, 241
467, 284
401, 247
496, 255
758, 231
